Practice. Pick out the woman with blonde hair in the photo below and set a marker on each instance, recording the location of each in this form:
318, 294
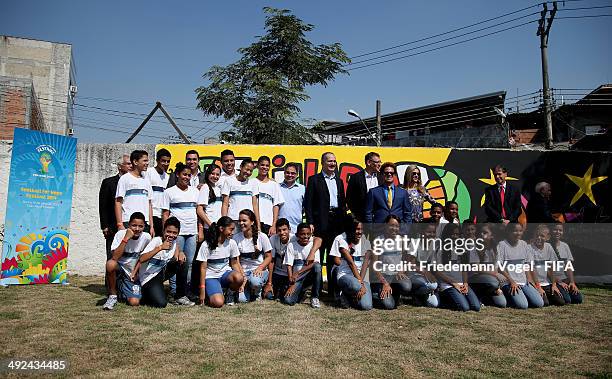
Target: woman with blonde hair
417, 194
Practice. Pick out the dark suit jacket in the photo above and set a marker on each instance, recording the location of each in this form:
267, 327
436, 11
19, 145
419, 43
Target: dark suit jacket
316, 204
512, 203
172, 179
356, 194
538, 210
106, 202
377, 208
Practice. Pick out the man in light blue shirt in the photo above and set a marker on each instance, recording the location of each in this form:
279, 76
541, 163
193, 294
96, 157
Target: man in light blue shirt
293, 192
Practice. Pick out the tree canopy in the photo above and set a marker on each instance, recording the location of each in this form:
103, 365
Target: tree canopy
261, 91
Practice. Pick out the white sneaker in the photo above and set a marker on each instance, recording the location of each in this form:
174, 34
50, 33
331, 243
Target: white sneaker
229, 298
185, 301
110, 303
314, 302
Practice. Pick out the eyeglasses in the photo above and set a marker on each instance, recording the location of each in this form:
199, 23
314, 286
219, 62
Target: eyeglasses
290, 173
376, 162
386, 173
416, 173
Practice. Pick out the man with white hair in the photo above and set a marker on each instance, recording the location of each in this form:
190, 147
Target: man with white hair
538, 208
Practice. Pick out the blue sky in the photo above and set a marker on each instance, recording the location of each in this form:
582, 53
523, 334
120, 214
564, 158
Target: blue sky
158, 50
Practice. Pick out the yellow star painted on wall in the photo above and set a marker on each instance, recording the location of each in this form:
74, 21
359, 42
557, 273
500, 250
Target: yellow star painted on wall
584, 184
490, 181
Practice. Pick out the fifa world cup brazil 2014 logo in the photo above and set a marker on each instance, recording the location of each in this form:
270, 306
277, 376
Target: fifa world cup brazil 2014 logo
45, 158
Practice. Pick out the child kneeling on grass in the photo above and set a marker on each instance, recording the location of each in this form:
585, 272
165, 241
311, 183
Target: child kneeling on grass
303, 266
122, 268
160, 260
565, 275
352, 252
220, 269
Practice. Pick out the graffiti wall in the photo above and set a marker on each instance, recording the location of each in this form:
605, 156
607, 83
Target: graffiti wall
580, 180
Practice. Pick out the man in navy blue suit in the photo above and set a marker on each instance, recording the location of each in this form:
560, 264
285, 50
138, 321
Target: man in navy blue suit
388, 199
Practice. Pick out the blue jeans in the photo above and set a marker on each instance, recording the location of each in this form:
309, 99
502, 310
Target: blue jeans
398, 288
485, 286
526, 297
186, 244
451, 298
569, 297
253, 286
423, 290
349, 285
312, 278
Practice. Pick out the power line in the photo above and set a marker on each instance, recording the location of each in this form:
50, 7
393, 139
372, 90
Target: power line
589, 16
442, 40
442, 34
442, 47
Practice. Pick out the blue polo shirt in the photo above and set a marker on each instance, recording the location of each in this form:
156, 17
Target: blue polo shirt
291, 209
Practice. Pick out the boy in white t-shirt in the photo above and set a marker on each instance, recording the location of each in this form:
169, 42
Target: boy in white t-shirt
240, 193
303, 266
159, 261
278, 282
158, 177
134, 193
122, 268
270, 196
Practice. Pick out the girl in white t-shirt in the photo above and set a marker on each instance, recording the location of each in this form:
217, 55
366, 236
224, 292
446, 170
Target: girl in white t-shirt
455, 293
159, 261
220, 268
391, 278
486, 284
424, 283
542, 255
565, 278
209, 199
352, 252
255, 256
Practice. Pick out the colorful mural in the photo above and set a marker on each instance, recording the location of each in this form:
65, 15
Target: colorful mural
579, 180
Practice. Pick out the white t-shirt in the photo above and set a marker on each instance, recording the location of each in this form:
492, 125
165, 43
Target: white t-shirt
136, 193
182, 205
388, 257
218, 262
456, 276
153, 266
297, 254
358, 253
565, 255
240, 195
223, 177
159, 182
269, 196
539, 257
279, 250
247, 250
212, 208
516, 255
132, 250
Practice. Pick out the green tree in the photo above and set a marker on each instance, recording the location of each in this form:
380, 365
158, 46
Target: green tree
260, 92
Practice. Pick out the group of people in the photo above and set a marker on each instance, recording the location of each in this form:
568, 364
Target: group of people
221, 237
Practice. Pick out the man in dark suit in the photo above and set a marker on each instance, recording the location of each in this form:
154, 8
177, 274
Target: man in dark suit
325, 207
360, 183
388, 199
192, 160
538, 208
106, 202
502, 200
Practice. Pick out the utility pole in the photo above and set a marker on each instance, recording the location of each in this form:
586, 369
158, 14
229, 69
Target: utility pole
378, 124
543, 30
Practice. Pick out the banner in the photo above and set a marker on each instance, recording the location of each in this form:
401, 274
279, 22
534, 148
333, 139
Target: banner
37, 222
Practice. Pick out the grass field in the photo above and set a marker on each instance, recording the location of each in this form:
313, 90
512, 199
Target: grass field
270, 339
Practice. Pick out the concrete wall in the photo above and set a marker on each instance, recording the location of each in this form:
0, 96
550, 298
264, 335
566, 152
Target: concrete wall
94, 162
49, 65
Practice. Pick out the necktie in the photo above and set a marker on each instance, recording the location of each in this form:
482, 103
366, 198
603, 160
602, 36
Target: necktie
389, 198
502, 196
